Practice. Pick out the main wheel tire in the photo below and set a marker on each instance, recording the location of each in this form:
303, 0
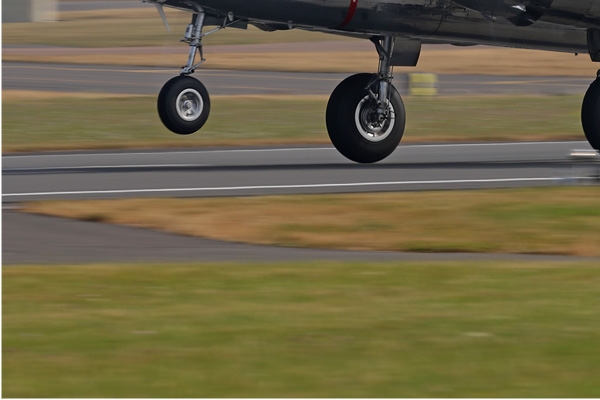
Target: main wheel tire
183, 105
352, 125
590, 114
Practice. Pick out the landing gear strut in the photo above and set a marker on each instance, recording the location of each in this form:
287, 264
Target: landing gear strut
365, 114
590, 114
183, 102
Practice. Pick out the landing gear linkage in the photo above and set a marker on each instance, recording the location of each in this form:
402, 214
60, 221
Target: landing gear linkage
194, 35
384, 77
365, 114
183, 102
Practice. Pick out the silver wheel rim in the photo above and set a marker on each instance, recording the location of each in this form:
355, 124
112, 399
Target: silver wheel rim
368, 126
189, 105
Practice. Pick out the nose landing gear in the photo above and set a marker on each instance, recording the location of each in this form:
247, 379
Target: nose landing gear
183, 102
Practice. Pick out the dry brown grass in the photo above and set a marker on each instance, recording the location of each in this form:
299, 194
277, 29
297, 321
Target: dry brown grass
482, 60
549, 221
505, 61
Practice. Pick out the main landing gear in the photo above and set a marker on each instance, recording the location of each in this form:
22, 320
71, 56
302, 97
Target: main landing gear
365, 115
590, 114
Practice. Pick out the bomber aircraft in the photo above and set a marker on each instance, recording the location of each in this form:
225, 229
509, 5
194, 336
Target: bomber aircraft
365, 116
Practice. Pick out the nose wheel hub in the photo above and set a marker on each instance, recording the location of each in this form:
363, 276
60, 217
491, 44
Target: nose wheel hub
189, 105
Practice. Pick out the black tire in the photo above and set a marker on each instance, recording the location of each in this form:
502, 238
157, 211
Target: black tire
347, 111
590, 114
183, 105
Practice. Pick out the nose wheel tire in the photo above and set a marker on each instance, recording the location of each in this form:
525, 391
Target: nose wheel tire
356, 125
183, 105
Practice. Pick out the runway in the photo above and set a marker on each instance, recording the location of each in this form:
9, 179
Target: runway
250, 171
148, 81
289, 170
100, 5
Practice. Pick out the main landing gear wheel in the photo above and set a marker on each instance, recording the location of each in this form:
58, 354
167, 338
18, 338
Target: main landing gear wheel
183, 105
590, 114
356, 127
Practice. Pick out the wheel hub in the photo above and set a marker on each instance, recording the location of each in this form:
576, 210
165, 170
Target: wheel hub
373, 122
189, 104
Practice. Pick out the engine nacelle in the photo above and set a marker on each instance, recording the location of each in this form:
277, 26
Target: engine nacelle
491, 7
516, 11
581, 13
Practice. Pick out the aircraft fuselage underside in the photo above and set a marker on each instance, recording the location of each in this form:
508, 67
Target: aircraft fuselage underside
440, 21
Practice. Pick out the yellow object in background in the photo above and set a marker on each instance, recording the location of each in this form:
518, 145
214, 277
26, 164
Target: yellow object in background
421, 84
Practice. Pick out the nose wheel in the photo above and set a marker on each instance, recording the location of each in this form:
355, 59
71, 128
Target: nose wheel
183, 105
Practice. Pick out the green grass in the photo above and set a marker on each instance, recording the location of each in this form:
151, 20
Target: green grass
494, 118
302, 330
88, 123
75, 123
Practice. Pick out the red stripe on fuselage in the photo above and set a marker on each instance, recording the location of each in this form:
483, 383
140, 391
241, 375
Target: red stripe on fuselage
350, 15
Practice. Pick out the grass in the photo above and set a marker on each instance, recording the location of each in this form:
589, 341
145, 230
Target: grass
302, 330
134, 28
71, 121
543, 221
130, 122
302, 61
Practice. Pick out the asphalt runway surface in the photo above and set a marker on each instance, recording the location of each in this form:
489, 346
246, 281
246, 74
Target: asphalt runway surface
149, 80
287, 170
242, 172
100, 5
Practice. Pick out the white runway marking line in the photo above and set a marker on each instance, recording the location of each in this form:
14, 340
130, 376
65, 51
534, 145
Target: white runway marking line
299, 186
130, 166
284, 149
408, 146
159, 153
